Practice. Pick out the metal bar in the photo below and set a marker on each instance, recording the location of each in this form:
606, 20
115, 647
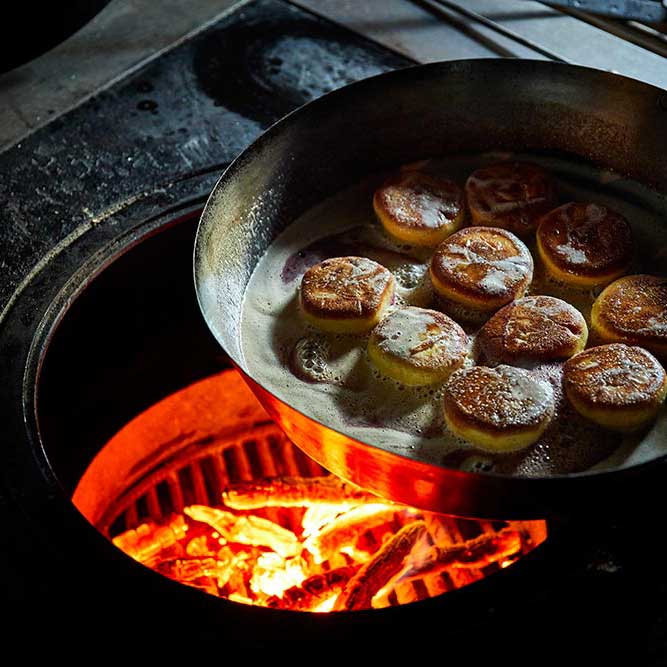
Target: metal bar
410, 28
198, 483
430, 33
636, 33
500, 29
652, 11
464, 26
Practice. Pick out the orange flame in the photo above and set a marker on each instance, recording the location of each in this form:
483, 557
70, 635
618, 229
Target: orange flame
343, 556
301, 542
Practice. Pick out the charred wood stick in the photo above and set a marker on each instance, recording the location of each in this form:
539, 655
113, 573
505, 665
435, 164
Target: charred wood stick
294, 492
188, 569
314, 590
482, 550
476, 553
378, 571
146, 542
251, 530
345, 529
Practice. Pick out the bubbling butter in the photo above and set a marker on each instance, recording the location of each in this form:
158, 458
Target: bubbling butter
329, 377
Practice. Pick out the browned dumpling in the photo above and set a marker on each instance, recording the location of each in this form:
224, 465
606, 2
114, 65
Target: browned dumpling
346, 294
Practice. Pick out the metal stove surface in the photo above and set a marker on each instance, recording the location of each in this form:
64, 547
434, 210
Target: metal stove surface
155, 140
186, 114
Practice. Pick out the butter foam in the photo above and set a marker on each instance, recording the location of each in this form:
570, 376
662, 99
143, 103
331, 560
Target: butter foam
330, 379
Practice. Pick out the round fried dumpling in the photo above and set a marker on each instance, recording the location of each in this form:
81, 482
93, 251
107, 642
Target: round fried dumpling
346, 294
618, 386
481, 268
419, 209
532, 329
585, 245
501, 409
511, 195
417, 346
633, 310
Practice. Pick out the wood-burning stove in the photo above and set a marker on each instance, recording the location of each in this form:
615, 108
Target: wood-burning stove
100, 323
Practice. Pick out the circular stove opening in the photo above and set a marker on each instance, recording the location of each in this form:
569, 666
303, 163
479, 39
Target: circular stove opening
164, 449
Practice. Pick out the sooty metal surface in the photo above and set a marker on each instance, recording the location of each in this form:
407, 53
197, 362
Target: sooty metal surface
190, 111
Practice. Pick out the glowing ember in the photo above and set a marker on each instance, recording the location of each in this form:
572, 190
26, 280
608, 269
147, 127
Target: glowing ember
218, 498
349, 551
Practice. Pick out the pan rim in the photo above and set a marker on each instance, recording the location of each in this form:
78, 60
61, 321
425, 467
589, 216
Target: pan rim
398, 76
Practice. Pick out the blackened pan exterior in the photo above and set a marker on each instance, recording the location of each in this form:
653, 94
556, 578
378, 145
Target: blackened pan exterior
402, 116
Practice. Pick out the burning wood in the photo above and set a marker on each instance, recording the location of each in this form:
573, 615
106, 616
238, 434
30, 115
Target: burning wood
315, 590
149, 541
191, 569
476, 553
294, 492
347, 551
375, 574
252, 530
481, 551
342, 533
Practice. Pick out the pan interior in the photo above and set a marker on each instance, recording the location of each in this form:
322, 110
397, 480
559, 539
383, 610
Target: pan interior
338, 386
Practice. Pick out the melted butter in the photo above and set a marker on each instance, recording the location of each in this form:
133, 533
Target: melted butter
330, 378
